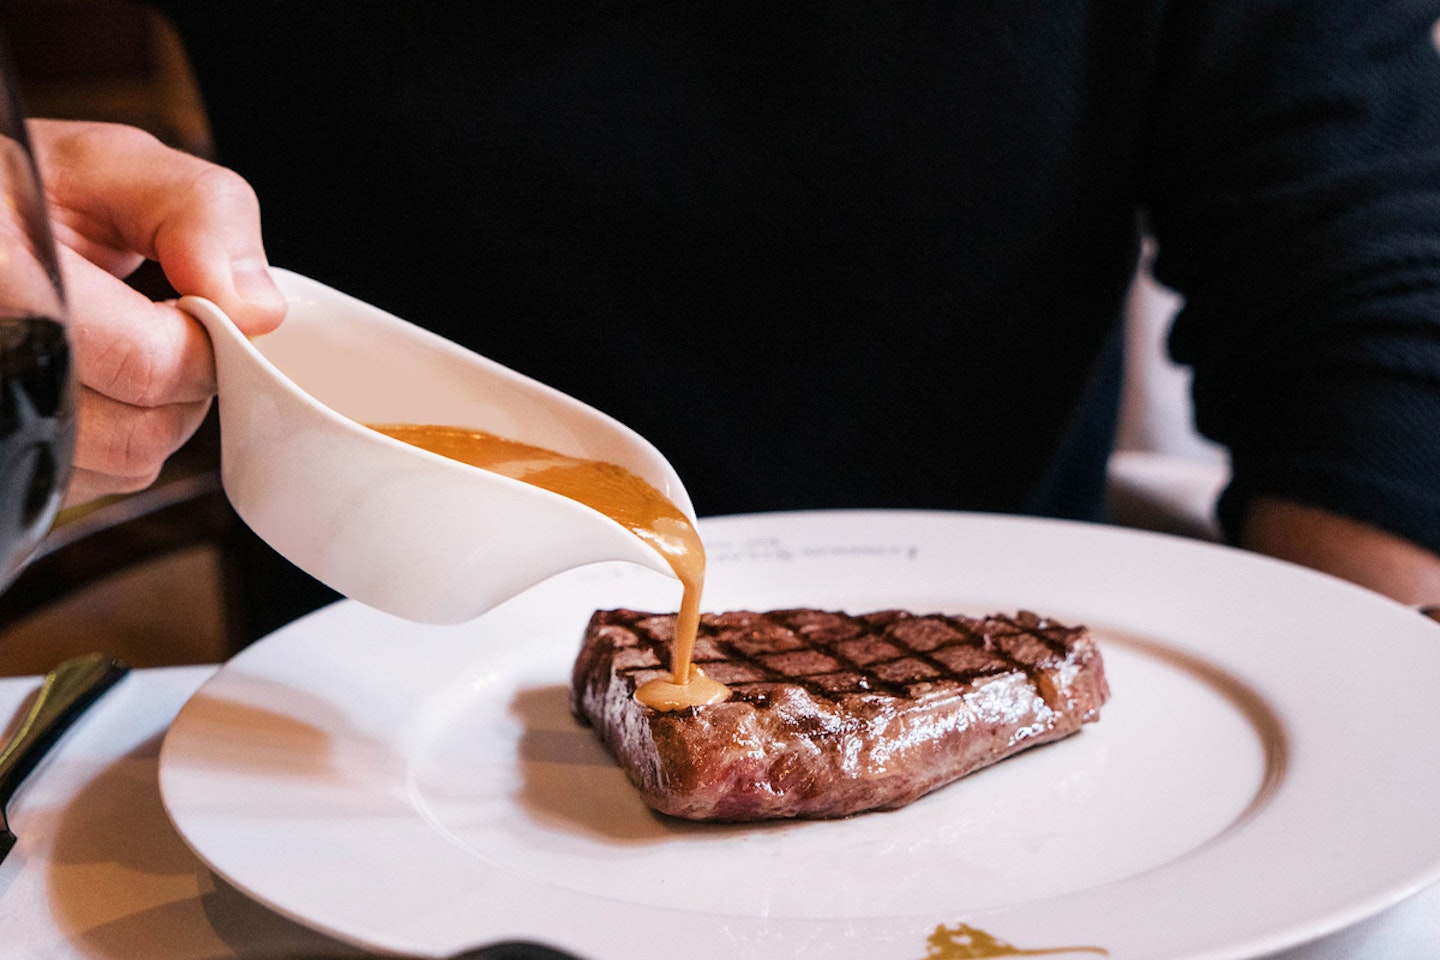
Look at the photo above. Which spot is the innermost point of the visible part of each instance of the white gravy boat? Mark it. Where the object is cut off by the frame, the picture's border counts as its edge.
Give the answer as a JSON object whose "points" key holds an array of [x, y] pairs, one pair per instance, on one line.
{"points": [[401, 529]]}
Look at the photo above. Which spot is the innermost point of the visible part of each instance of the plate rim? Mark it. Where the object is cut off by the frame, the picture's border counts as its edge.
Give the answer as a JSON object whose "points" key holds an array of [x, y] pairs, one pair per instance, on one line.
{"points": [[1334, 919]]}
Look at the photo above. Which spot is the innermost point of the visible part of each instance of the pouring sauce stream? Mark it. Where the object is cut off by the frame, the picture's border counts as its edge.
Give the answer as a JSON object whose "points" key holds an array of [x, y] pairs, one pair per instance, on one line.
{"points": [[619, 495]]}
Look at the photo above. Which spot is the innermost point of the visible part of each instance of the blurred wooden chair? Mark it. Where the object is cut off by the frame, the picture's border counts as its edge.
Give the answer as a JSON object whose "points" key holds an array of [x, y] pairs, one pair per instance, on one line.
{"points": [[113, 60]]}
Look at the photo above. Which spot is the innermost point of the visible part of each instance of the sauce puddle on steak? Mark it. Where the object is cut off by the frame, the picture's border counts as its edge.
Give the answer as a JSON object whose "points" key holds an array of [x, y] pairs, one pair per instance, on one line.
{"points": [[831, 714]]}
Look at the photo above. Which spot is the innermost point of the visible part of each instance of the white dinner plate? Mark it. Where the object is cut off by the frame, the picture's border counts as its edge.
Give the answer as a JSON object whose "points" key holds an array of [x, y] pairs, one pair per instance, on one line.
{"points": [[1266, 771]]}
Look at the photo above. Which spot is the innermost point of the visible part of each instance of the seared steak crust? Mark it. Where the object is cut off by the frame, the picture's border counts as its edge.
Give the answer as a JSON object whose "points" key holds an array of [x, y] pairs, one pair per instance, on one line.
{"points": [[832, 714]]}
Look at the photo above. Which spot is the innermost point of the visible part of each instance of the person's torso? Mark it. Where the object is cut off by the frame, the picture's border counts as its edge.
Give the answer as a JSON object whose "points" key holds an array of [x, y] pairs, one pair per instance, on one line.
{"points": [[822, 254]]}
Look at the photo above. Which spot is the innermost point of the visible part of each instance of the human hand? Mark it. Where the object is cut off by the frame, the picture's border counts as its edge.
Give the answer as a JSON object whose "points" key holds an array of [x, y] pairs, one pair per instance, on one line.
{"points": [[145, 370], [1337, 545]]}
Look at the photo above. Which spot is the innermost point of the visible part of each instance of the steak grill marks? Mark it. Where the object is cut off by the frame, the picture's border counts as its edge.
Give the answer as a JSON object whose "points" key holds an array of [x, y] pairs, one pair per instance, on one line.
{"points": [[833, 654]]}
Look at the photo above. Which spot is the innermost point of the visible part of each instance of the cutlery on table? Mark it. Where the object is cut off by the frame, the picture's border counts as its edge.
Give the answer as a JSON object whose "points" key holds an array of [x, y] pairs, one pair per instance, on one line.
{"points": [[64, 695]]}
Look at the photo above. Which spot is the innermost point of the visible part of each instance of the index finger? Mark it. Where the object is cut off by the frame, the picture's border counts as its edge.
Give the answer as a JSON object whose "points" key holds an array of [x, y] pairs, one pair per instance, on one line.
{"points": [[117, 185]]}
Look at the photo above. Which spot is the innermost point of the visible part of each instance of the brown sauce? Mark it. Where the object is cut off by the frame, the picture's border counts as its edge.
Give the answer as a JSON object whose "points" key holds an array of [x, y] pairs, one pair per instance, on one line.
{"points": [[964, 942], [621, 496]]}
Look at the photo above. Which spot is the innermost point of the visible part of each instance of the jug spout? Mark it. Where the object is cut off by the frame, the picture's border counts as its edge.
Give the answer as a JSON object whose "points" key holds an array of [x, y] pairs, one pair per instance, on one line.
{"points": [[399, 528]]}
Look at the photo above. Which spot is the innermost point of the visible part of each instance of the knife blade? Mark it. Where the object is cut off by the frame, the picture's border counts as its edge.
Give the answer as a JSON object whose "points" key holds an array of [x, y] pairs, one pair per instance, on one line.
{"points": [[64, 695]]}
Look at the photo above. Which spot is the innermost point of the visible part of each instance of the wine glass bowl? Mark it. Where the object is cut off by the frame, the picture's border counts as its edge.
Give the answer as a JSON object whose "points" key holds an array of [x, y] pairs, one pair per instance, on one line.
{"points": [[37, 405]]}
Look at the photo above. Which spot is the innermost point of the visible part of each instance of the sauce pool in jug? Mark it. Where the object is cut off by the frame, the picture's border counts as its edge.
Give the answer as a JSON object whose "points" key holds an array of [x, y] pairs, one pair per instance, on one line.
{"points": [[621, 496]]}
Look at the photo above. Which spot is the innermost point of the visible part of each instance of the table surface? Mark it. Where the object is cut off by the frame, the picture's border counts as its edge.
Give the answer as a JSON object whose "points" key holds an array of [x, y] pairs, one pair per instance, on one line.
{"points": [[100, 873]]}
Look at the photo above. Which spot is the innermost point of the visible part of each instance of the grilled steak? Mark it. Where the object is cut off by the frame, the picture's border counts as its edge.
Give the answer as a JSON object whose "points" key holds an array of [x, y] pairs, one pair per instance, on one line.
{"points": [[832, 714]]}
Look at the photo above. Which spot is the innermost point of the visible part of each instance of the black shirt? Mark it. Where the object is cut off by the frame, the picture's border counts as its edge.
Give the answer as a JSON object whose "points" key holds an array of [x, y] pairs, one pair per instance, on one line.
{"points": [[868, 253]]}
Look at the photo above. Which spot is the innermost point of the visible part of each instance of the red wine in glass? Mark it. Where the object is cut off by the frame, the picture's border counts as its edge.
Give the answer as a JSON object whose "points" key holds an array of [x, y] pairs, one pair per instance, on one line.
{"points": [[37, 434], [37, 401]]}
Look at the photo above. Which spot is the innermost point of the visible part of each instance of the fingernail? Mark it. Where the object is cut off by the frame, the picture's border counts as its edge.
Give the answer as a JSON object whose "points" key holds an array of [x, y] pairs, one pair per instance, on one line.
{"points": [[253, 283]]}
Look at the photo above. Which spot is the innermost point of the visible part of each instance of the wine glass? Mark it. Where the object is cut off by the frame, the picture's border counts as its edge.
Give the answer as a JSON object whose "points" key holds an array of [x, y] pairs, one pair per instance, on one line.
{"points": [[37, 395]]}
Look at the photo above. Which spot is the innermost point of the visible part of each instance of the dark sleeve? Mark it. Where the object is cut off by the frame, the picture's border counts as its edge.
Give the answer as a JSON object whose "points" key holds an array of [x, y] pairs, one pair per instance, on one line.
{"points": [[1294, 185]]}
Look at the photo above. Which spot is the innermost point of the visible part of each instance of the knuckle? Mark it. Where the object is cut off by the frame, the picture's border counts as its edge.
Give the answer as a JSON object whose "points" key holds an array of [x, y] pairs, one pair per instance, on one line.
{"points": [[224, 187], [141, 364], [109, 135], [131, 483], [127, 370], [95, 143], [139, 443]]}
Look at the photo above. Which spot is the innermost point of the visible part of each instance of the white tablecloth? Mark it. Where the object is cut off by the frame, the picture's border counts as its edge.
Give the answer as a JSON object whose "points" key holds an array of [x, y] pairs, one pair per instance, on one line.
{"points": [[100, 873]]}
